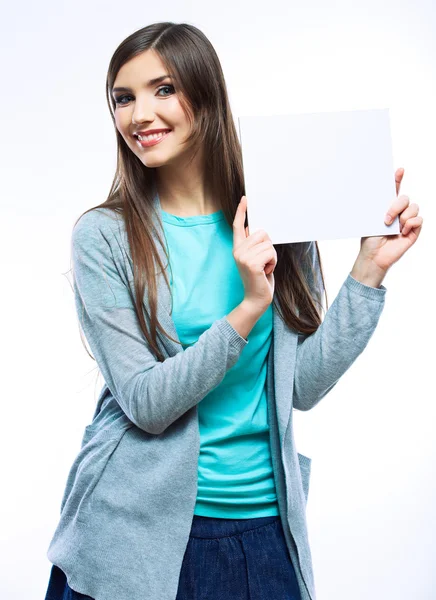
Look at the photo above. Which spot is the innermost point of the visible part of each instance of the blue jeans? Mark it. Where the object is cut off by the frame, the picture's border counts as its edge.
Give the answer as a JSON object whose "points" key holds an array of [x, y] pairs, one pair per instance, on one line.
{"points": [[236, 559]]}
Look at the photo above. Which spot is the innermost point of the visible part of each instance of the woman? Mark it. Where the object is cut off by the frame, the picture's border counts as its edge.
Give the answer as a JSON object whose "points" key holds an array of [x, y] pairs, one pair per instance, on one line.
{"points": [[188, 484]]}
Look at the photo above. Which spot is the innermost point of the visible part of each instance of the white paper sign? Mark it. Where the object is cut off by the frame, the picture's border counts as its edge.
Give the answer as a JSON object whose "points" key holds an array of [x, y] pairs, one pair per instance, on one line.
{"points": [[319, 176]]}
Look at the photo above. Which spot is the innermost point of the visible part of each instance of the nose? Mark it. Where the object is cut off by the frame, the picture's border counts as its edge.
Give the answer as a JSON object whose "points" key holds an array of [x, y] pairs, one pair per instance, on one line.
{"points": [[142, 113]]}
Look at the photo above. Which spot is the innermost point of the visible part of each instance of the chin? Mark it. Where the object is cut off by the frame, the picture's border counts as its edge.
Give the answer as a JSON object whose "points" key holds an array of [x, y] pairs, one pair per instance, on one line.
{"points": [[152, 163]]}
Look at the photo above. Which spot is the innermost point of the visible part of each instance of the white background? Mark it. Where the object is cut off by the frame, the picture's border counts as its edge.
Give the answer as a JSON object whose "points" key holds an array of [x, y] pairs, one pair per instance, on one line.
{"points": [[371, 508]]}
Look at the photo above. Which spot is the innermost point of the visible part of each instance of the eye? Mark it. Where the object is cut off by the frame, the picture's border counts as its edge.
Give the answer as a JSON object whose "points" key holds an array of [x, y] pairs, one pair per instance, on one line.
{"points": [[166, 87], [119, 99]]}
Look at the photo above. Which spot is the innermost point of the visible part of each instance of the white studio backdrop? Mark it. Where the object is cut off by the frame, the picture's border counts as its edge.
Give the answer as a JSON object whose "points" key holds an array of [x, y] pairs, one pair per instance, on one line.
{"points": [[371, 506]]}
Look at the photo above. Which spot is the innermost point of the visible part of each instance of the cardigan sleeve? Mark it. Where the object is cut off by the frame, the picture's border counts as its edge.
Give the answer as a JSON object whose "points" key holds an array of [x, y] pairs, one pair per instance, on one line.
{"points": [[325, 355], [152, 394]]}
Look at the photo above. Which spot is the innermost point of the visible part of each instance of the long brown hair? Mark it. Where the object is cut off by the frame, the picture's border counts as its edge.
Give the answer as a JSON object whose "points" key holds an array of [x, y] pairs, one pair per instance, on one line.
{"points": [[199, 81]]}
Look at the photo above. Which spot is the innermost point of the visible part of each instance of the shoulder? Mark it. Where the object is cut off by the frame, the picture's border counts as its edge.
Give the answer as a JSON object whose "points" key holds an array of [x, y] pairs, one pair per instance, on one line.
{"points": [[96, 226]]}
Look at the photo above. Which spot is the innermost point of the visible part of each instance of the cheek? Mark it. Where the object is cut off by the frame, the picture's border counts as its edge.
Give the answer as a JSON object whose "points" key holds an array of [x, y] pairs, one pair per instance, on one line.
{"points": [[176, 114], [123, 130], [121, 125]]}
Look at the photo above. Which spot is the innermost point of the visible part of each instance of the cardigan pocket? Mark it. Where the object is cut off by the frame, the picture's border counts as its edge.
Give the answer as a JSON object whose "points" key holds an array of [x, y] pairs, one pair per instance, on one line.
{"points": [[98, 446], [305, 465]]}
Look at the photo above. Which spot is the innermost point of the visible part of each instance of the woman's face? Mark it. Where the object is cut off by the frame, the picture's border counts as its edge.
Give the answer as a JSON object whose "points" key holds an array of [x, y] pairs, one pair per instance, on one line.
{"points": [[143, 106]]}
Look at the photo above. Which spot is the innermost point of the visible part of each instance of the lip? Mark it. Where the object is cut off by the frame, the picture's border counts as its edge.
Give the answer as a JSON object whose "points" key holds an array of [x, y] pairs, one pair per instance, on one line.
{"points": [[150, 131], [145, 144]]}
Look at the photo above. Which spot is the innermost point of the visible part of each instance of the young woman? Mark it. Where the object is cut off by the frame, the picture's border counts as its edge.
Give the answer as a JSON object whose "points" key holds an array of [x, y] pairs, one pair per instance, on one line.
{"points": [[188, 484]]}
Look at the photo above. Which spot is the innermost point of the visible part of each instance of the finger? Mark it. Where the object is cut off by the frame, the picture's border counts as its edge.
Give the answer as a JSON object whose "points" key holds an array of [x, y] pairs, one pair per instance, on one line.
{"points": [[262, 247], [411, 211], [268, 258], [398, 177], [400, 204], [239, 232], [414, 223]]}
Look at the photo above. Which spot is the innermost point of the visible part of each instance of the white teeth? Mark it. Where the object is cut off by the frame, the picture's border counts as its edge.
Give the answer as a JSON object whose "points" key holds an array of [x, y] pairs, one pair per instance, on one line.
{"points": [[153, 136]]}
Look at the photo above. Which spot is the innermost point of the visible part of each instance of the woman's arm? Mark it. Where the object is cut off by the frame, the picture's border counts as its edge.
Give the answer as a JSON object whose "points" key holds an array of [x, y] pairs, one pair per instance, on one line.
{"points": [[152, 394], [324, 356]]}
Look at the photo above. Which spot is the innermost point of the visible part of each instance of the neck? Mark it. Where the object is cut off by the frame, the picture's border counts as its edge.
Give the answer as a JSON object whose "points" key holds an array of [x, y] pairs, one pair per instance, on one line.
{"points": [[183, 191]]}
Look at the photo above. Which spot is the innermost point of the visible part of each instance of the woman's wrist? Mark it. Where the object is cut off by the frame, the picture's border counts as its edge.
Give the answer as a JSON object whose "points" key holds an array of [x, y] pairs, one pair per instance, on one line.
{"points": [[368, 273], [244, 317]]}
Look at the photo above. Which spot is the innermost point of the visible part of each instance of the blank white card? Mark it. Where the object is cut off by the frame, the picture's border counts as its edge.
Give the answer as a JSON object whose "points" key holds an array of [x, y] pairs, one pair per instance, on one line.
{"points": [[318, 176]]}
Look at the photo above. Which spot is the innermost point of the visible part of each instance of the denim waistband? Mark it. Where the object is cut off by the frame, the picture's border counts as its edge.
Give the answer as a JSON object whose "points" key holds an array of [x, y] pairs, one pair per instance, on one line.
{"points": [[212, 527]]}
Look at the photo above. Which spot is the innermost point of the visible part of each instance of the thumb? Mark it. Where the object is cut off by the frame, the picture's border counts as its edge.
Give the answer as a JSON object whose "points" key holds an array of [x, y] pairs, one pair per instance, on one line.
{"points": [[239, 233]]}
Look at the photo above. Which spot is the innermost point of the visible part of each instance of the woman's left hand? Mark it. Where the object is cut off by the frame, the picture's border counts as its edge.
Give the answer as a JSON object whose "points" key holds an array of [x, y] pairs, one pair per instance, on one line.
{"points": [[378, 253]]}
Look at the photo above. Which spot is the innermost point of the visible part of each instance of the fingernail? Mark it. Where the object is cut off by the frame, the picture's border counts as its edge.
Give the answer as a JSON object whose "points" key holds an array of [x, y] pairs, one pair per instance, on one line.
{"points": [[388, 219]]}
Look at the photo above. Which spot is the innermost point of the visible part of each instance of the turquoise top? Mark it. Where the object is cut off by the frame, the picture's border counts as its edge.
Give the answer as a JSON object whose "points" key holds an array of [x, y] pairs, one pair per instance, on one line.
{"points": [[235, 473]]}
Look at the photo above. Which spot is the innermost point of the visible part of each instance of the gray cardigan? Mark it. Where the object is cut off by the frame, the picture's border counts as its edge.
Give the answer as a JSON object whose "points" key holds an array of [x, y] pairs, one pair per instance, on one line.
{"points": [[129, 499]]}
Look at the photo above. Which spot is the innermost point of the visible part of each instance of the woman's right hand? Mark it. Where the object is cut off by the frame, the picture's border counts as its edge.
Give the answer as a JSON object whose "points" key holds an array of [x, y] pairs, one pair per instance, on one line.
{"points": [[256, 258]]}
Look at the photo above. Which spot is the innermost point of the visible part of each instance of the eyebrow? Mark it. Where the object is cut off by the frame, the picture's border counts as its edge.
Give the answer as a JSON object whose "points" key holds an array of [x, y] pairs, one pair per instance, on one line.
{"points": [[150, 83]]}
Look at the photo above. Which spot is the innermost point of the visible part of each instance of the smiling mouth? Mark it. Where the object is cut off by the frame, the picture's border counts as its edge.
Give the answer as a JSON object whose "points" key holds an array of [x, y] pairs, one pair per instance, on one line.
{"points": [[148, 138], [152, 141]]}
